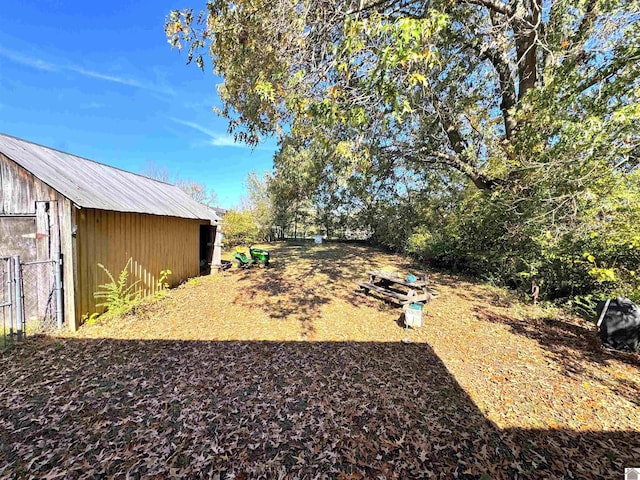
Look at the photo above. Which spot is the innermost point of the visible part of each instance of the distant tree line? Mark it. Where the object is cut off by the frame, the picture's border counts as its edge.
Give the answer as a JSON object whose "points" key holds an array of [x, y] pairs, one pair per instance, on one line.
{"points": [[196, 190]]}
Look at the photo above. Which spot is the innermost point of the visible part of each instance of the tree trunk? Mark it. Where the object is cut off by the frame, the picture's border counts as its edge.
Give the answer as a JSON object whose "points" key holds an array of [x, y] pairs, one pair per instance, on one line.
{"points": [[526, 31]]}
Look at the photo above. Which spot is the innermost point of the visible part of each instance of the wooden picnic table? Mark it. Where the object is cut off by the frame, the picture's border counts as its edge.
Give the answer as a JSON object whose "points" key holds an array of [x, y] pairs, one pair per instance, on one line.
{"points": [[397, 288]]}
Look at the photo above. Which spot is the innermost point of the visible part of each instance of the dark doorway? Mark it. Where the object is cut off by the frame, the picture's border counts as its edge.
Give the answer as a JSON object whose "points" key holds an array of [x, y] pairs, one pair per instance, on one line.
{"points": [[207, 237]]}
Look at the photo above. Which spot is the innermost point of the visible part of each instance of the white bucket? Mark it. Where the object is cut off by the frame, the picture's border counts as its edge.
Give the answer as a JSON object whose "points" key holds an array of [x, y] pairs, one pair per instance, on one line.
{"points": [[413, 315]]}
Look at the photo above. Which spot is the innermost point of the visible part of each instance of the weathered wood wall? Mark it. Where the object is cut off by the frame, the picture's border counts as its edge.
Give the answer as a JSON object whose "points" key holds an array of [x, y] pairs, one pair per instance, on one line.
{"points": [[20, 190], [16, 237], [22, 194], [153, 243]]}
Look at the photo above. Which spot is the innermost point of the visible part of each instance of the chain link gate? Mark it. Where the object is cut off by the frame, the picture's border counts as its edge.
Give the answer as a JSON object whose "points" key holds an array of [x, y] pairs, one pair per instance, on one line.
{"points": [[13, 327], [41, 296], [6, 310], [30, 298]]}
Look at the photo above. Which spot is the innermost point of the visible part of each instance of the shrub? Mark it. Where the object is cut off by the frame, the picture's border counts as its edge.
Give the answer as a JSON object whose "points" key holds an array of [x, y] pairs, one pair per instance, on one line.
{"points": [[117, 296], [420, 243], [162, 281], [240, 228]]}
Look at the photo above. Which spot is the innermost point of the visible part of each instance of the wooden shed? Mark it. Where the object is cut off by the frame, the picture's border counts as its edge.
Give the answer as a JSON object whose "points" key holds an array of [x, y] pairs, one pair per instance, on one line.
{"points": [[57, 206]]}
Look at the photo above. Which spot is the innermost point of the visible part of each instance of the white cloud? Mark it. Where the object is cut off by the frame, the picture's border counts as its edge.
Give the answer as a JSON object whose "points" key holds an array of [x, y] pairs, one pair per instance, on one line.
{"points": [[226, 141], [47, 66], [195, 126], [215, 138], [121, 80], [28, 61]]}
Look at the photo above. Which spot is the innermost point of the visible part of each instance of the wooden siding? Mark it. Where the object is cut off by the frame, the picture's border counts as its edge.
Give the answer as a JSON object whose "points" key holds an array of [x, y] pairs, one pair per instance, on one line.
{"points": [[153, 243], [21, 193], [20, 190]]}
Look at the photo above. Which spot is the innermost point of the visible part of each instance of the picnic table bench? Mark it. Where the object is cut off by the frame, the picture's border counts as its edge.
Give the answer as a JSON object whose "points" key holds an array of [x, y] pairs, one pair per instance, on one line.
{"points": [[396, 288]]}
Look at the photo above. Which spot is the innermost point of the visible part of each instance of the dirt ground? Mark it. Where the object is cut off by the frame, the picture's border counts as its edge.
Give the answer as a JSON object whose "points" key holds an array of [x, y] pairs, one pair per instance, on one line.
{"points": [[289, 372]]}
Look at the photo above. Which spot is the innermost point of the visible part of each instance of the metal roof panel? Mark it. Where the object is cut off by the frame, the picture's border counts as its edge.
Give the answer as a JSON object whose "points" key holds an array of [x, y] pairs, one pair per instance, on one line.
{"points": [[90, 184]]}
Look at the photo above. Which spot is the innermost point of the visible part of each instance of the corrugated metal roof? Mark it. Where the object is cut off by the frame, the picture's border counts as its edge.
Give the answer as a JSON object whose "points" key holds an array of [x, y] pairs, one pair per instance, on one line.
{"points": [[90, 184]]}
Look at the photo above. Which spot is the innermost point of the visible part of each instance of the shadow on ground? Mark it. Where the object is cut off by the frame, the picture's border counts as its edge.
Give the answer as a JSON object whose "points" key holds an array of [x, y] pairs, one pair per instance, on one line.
{"points": [[96, 408], [304, 278], [574, 347]]}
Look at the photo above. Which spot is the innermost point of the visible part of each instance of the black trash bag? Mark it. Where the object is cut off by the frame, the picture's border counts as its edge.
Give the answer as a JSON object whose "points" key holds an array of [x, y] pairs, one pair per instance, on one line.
{"points": [[620, 325]]}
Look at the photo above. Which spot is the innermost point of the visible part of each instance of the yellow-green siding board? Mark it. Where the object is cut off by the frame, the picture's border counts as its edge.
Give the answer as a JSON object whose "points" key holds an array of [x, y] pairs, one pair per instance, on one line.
{"points": [[153, 243]]}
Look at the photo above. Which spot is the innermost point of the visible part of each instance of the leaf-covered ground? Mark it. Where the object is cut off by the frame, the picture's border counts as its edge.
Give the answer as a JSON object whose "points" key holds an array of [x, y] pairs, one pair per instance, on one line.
{"points": [[287, 372]]}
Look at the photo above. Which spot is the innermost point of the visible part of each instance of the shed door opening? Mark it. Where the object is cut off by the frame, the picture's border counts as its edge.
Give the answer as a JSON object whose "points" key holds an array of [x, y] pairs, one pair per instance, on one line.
{"points": [[207, 238]]}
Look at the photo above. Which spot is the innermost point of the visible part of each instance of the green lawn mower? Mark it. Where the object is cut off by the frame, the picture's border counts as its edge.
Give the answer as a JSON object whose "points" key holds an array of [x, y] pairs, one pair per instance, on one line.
{"points": [[257, 256]]}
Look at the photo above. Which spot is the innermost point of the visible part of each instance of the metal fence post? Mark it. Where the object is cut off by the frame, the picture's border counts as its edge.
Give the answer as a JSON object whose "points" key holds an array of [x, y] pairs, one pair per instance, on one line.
{"points": [[12, 296], [17, 273], [59, 311]]}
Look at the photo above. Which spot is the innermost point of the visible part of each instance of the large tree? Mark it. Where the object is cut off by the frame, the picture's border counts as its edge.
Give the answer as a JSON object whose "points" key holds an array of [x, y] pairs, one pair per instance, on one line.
{"points": [[525, 111], [489, 88]]}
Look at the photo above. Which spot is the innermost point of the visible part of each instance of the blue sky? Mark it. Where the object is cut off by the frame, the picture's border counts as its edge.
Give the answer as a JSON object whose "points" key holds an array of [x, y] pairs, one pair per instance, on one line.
{"points": [[99, 79]]}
